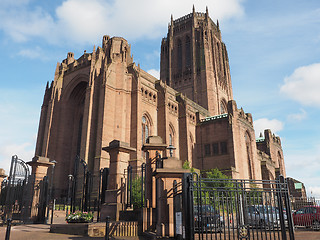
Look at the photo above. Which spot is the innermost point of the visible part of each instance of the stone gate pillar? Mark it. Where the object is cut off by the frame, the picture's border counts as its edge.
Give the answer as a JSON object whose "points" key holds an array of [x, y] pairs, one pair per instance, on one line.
{"points": [[161, 172], [39, 167], [119, 156], [155, 149]]}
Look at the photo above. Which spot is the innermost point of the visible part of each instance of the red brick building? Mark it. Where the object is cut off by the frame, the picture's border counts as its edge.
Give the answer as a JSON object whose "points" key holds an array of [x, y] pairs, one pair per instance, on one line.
{"points": [[104, 95]]}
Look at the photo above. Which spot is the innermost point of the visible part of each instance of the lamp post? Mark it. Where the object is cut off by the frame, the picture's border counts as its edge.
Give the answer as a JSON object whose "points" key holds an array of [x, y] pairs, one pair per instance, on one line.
{"points": [[51, 188], [84, 184], [50, 191], [70, 178]]}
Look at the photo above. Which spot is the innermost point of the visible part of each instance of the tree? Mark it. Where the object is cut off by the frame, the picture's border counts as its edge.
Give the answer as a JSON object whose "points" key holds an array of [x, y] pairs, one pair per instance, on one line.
{"points": [[217, 188], [136, 200], [214, 178]]}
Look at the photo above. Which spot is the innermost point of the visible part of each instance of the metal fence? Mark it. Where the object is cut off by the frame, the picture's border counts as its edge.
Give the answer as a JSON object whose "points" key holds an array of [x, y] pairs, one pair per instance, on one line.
{"points": [[236, 209]]}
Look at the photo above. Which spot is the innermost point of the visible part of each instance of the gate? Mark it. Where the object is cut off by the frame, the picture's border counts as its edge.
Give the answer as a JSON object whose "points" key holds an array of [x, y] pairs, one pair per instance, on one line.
{"points": [[236, 209], [83, 181], [15, 188]]}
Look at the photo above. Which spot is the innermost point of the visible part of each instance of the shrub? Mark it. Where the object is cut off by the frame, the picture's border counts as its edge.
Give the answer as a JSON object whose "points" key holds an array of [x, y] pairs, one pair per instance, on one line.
{"points": [[79, 217]]}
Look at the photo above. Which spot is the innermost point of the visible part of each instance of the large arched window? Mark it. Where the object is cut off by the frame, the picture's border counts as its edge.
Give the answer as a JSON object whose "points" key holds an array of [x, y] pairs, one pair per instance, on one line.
{"points": [[280, 162], [249, 153], [75, 104], [73, 119], [191, 146], [145, 128], [145, 131]]}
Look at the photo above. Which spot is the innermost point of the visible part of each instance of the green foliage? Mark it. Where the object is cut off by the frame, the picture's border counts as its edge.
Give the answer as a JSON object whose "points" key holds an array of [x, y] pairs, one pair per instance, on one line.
{"points": [[186, 165], [136, 193], [216, 175], [216, 188], [254, 196], [79, 217]]}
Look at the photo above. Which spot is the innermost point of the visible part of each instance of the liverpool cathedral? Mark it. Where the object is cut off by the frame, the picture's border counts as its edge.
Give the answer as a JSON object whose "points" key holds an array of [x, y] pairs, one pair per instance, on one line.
{"points": [[104, 96]]}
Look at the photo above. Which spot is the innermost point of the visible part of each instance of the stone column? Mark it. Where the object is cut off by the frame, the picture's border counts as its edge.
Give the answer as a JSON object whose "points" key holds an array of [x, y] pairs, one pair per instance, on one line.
{"points": [[39, 167], [172, 171], [2, 176], [155, 148], [119, 156]]}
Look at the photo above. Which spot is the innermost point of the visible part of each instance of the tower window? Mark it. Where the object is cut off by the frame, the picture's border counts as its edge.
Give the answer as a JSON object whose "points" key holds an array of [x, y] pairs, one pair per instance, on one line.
{"points": [[207, 151], [179, 55], [188, 52], [215, 149], [223, 147]]}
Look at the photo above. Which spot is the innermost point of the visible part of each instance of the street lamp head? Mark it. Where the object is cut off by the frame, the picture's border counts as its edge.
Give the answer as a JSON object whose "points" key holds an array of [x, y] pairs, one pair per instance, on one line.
{"points": [[70, 177], [83, 162], [54, 162]]}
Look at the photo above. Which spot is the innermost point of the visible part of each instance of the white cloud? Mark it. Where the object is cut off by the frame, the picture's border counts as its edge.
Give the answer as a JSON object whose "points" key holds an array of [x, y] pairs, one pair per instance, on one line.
{"points": [[313, 191], [263, 123], [304, 166], [21, 24], [82, 21], [155, 73], [34, 53], [297, 117], [303, 85]]}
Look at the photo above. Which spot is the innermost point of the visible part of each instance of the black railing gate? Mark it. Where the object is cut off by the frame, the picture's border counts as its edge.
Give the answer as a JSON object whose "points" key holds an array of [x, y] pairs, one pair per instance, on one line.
{"points": [[235, 209], [83, 181], [14, 188]]}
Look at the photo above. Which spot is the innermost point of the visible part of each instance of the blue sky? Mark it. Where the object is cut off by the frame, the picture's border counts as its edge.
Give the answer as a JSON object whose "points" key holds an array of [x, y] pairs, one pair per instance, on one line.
{"points": [[273, 46]]}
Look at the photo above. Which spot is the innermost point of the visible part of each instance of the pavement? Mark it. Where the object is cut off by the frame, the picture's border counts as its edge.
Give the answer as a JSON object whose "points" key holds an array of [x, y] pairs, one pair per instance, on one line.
{"points": [[36, 232], [42, 232]]}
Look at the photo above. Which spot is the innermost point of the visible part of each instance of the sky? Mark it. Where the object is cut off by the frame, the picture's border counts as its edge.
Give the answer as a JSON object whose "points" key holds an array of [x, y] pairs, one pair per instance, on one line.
{"points": [[273, 47]]}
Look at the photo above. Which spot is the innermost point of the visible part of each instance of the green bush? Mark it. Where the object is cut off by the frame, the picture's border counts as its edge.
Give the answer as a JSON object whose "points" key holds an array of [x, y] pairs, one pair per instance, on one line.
{"points": [[79, 217], [136, 200]]}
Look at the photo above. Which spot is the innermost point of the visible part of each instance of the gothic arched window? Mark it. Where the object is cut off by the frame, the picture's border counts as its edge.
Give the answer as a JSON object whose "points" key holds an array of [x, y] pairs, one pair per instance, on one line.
{"points": [[145, 129], [280, 161], [249, 155], [223, 107]]}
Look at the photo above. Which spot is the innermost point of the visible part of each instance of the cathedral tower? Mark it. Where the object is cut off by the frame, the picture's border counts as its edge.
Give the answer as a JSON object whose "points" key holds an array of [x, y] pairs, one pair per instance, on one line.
{"points": [[194, 61]]}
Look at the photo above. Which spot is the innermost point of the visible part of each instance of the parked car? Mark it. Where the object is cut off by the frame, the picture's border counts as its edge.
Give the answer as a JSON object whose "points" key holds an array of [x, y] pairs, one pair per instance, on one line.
{"points": [[207, 219], [308, 216], [285, 216], [264, 216]]}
